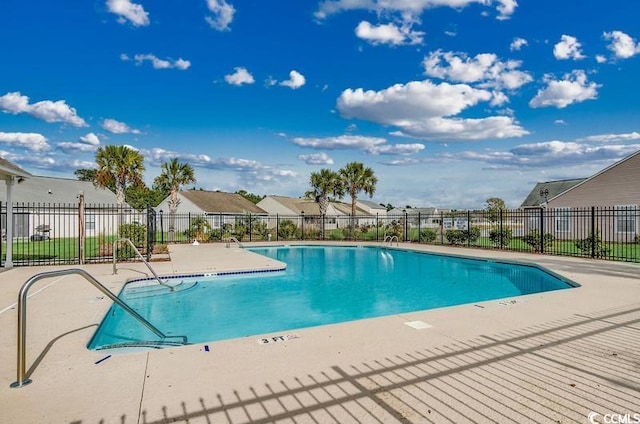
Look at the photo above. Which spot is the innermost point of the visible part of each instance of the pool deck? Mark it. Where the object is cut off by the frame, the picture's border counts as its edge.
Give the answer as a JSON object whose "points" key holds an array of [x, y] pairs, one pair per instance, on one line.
{"points": [[552, 357]]}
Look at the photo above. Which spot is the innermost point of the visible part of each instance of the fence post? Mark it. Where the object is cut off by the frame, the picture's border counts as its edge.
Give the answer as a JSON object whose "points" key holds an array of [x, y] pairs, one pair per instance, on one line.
{"points": [[441, 227], [81, 228], [250, 227], [161, 227], [323, 226], [593, 232], [277, 227], [501, 233], [189, 227], [419, 221], [541, 230], [302, 226], [469, 228], [151, 230]]}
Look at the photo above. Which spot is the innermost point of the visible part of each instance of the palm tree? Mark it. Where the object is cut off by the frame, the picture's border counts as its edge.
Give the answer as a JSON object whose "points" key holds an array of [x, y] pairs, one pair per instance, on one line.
{"points": [[324, 183], [174, 175], [118, 166], [356, 178]]}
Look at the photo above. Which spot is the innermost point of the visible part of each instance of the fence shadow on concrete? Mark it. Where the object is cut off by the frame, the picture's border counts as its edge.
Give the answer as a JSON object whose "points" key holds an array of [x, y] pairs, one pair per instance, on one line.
{"points": [[555, 372]]}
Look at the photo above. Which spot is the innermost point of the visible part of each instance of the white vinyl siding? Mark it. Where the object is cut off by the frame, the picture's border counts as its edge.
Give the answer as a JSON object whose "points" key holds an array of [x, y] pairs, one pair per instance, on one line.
{"points": [[626, 219], [563, 220]]}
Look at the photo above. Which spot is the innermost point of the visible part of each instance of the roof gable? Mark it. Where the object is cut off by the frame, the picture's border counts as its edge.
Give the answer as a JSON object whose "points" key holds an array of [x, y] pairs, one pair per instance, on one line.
{"points": [[299, 206], [220, 202], [549, 190]]}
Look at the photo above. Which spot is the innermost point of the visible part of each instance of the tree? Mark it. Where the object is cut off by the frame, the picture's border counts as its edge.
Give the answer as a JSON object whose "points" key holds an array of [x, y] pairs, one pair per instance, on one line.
{"points": [[493, 206], [85, 174], [253, 198], [355, 178], [174, 174], [118, 167], [324, 183]]}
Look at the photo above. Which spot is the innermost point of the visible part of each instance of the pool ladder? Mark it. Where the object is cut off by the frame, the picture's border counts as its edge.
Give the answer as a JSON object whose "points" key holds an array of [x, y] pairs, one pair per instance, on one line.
{"points": [[390, 239], [115, 260], [22, 378], [235, 240]]}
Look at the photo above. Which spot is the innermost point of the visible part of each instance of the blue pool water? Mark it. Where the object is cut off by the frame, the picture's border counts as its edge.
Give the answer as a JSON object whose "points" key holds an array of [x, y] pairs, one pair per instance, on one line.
{"points": [[321, 285]]}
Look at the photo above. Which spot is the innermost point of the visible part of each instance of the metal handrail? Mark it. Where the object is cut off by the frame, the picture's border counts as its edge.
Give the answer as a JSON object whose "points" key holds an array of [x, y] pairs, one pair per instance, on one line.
{"points": [[390, 240], [115, 260], [22, 379], [235, 240]]}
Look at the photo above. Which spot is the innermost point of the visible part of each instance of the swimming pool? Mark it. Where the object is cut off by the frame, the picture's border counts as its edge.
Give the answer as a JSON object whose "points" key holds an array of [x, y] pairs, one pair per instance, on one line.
{"points": [[321, 285]]}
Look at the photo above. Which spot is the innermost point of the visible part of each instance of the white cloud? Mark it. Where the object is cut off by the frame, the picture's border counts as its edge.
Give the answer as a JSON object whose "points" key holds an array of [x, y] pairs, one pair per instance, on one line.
{"points": [[239, 77], [485, 69], [128, 11], [46, 162], [412, 8], [340, 142], [402, 162], [91, 139], [610, 138], [316, 159], [574, 88], [88, 143], [518, 43], [396, 149], [559, 122], [547, 154], [157, 63], [30, 141], [568, 48], [600, 58], [622, 45], [388, 34], [117, 127], [295, 81], [46, 110], [222, 14], [425, 110], [250, 171]]}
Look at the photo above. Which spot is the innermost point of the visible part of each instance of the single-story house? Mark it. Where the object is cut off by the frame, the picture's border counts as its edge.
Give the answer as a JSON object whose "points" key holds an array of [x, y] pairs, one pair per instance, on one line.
{"points": [[46, 207], [427, 218], [218, 208], [294, 209], [564, 207], [372, 208]]}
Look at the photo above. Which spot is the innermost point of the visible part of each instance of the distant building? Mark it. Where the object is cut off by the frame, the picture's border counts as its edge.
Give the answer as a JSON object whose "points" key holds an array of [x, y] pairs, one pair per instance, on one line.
{"points": [[219, 208], [615, 188], [46, 206]]}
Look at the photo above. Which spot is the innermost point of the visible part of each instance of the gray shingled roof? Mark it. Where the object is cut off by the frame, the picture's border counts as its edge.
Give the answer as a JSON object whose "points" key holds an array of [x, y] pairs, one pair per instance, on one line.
{"points": [[298, 206], [555, 188], [9, 168], [36, 189], [220, 202]]}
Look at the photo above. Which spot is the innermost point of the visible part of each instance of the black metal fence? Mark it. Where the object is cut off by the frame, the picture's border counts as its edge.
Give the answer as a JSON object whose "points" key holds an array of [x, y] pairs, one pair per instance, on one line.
{"points": [[74, 233]]}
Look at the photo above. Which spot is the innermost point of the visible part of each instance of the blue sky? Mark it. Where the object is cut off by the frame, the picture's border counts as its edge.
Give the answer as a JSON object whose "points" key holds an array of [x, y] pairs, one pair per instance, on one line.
{"points": [[449, 101]]}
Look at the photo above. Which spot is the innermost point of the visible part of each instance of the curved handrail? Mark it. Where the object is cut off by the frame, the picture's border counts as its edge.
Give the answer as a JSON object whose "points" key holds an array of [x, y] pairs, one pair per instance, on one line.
{"points": [[115, 260], [235, 240], [390, 240], [22, 379]]}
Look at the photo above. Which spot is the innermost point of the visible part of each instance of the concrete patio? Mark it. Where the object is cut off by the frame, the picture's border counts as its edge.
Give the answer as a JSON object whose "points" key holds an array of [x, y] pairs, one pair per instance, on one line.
{"points": [[551, 357]]}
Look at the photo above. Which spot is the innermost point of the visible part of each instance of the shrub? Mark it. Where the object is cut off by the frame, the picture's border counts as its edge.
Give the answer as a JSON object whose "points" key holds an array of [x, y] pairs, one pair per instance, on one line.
{"points": [[260, 229], [135, 232], [288, 230], [533, 240], [500, 238], [428, 235], [215, 235], [592, 246], [198, 229], [455, 237], [472, 235]]}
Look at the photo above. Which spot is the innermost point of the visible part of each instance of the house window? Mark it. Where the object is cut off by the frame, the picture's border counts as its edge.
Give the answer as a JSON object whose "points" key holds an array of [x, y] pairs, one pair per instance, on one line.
{"points": [[563, 223], [90, 222], [533, 216], [626, 218]]}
